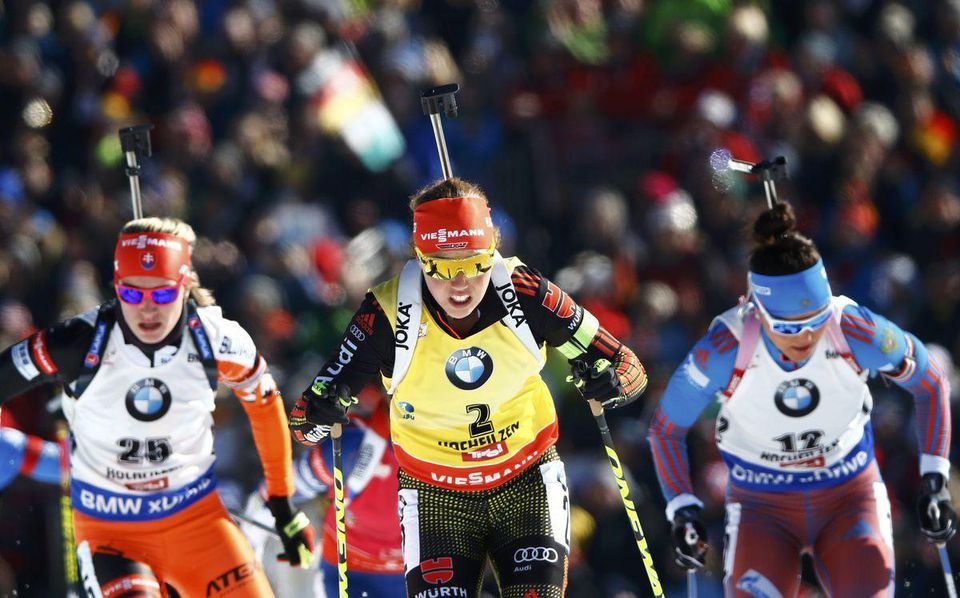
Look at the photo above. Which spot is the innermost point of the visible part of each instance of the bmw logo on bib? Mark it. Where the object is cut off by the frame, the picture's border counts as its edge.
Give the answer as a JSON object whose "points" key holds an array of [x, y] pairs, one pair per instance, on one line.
{"points": [[148, 400], [798, 397], [468, 369]]}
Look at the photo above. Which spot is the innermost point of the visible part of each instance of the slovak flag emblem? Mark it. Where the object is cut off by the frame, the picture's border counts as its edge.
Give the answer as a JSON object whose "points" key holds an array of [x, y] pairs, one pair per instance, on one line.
{"points": [[148, 260]]}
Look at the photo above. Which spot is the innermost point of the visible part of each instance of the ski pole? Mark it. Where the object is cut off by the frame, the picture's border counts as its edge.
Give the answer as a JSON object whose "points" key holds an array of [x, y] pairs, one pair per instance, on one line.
{"points": [[947, 570], [335, 435], [691, 583], [250, 520], [70, 571], [597, 410], [433, 101], [135, 142]]}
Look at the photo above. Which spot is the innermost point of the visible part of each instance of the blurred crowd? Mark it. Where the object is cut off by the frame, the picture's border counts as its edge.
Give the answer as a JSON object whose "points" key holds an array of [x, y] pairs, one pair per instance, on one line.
{"points": [[289, 133]]}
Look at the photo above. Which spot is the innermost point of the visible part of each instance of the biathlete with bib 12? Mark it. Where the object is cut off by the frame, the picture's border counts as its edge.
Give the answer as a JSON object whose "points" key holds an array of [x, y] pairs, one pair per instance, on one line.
{"points": [[789, 366], [459, 337], [140, 374]]}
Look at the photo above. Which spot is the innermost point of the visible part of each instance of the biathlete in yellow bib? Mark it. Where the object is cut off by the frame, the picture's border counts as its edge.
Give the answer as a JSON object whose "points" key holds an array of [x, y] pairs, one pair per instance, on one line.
{"points": [[459, 337]]}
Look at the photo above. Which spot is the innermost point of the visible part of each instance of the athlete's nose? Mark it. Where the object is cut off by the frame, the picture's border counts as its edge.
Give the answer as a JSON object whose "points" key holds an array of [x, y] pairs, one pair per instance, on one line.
{"points": [[459, 282]]}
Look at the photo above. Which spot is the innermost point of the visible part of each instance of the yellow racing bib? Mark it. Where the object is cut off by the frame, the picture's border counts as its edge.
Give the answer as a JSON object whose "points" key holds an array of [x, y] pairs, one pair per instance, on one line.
{"points": [[470, 413]]}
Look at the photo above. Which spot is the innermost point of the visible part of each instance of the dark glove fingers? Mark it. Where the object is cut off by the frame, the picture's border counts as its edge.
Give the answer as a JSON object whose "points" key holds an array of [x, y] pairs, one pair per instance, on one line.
{"points": [[938, 522], [689, 538], [296, 535], [938, 519], [344, 396], [326, 410], [605, 385], [685, 561], [578, 373]]}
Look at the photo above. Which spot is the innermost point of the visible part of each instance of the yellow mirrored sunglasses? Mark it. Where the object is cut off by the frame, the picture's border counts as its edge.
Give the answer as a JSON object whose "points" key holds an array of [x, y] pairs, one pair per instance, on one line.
{"points": [[448, 268]]}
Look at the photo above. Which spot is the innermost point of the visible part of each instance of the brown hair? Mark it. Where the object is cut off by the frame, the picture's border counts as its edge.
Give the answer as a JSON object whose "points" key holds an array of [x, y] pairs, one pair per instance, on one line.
{"points": [[779, 249], [452, 187], [173, 226]]}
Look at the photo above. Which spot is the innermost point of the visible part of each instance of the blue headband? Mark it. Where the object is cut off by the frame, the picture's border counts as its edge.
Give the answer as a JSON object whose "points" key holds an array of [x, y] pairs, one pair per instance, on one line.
{"points": [[792, 295]]}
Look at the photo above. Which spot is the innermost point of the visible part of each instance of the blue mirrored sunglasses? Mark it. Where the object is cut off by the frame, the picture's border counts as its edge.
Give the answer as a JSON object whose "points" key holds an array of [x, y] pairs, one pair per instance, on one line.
{"points": [[795, 327], [160, 295]]}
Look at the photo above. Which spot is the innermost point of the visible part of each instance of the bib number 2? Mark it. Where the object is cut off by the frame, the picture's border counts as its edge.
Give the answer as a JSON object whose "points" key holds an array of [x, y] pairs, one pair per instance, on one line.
{"points": [[482, 425]]}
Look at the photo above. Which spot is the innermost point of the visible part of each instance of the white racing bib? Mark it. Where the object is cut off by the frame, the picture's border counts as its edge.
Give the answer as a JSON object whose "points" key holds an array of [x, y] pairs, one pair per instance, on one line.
{"points": [[143, 438], [795, 430]]}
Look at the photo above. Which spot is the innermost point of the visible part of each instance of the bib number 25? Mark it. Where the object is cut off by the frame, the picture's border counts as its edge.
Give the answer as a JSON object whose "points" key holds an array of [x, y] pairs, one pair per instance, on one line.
{"points": [[151, 450]]}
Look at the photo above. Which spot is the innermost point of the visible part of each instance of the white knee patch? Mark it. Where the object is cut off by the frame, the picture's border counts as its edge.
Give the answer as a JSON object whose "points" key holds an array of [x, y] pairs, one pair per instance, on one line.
{"points": [[757, 585], [884, 516], [558, 501], [731, 531], [88, 576], [409, 507]]}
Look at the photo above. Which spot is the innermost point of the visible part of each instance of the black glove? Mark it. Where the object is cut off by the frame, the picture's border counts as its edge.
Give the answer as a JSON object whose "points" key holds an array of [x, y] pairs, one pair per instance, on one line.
{"points": [[318, 408], [597, 383], [295, 531], [938, 519], [689, 538]]}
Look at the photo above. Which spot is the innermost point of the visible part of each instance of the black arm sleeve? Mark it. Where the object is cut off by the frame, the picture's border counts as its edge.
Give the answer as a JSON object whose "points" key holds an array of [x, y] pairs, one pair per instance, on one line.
{"points": [[555, 317], [553, 314], [51, 355], [365, 350]]}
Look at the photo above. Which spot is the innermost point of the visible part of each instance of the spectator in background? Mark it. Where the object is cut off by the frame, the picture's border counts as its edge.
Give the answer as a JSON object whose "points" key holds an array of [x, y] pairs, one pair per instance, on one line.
{"points": [[558, 98]]}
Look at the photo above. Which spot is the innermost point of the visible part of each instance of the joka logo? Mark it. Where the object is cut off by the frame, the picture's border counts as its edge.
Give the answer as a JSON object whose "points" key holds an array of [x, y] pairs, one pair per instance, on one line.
{"points": [[438, 570], [535, 553], [403, 325], [797, 397], [509, 298], [148, 400], [469, 369]]}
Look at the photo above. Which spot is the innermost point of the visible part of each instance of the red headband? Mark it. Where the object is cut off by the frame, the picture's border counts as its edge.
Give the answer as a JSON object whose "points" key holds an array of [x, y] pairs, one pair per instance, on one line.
{"points": [[452, 223], [151, 254]]}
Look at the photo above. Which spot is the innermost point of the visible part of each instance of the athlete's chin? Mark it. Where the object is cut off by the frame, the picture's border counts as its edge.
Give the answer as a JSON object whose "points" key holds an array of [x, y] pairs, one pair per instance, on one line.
{"points": [[801, 354], [459, 310], [150, 332]]}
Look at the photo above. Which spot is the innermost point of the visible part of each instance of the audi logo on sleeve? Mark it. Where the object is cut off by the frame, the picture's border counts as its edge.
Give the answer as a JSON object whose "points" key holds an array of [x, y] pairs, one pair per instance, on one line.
{"points": [[535, 553]]}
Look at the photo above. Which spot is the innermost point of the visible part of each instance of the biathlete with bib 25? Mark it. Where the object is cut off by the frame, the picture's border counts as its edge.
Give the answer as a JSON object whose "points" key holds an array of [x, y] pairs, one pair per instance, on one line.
{"points": [[790, 368], [140, 373], [459, 338]]}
